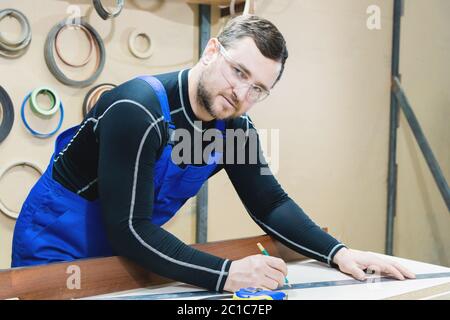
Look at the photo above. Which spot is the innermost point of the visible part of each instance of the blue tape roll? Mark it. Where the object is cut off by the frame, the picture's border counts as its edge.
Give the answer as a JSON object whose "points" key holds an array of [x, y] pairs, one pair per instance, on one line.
{"points": [[36, 133], [258, 294]]}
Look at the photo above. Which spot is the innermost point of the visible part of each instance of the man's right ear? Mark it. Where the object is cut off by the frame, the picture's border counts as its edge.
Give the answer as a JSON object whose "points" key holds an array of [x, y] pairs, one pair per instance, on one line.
{"points": [[210, 51]]}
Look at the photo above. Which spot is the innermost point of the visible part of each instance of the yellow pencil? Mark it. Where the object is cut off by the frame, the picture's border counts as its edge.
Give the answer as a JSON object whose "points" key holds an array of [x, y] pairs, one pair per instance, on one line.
{"points": [[264, 252]]}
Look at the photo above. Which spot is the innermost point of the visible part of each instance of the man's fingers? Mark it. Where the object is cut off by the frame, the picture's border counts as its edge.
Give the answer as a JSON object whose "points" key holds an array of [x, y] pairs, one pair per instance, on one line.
{"points": [[390, 269], [355, 261], [374, 269], [356, 272], [277, 263], [275, 275], [405, 271], [394, 269], [269, 283]]}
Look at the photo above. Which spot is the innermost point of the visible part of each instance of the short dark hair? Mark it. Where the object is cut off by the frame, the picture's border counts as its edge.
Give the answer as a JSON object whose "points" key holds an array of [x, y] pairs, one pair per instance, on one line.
{"points": [[267, 37]]}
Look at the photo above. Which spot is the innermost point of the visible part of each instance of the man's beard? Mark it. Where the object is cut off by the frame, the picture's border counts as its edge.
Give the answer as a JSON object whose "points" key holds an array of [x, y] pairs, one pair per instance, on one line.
{"points": [[204, 98]]}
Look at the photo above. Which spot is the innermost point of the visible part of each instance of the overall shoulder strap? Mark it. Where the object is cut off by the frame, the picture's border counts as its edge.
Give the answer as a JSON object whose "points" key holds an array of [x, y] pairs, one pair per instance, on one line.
{"points": [[161, 94]]}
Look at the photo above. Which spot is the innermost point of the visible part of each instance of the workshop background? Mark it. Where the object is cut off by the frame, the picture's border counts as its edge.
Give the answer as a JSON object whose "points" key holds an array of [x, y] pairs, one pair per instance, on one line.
{"points": [[331, 107]]}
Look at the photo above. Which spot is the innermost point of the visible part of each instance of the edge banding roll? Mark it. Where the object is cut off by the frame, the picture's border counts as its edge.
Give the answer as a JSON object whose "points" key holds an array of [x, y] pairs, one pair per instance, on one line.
{"points": [[132, 47], [50, 58], [104, 13], [91, 45], [15, 49], [94, 94], [3, 208], [7, 114]]}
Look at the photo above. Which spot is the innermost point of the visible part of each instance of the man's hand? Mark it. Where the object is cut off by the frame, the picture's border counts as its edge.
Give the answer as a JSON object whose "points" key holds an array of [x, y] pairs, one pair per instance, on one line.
{"points": [[353, 262], [256, 271]]}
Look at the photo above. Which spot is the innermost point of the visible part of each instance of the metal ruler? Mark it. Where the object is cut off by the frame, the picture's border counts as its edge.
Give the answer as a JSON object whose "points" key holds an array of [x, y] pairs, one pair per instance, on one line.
{"points": [[211, 295]]}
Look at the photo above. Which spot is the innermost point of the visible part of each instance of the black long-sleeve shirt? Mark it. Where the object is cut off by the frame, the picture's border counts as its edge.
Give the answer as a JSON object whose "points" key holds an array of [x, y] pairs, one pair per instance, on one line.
{"points": [[100, 163]]}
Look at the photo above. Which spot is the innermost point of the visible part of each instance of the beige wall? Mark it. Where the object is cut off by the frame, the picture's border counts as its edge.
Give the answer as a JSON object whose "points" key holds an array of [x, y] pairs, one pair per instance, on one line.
{"points": [[422, 228], [331, 108]]}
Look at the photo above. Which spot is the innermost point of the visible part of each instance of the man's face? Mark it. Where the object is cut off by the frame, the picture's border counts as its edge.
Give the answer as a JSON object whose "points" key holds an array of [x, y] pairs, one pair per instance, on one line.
{"points": [[222, 89]]}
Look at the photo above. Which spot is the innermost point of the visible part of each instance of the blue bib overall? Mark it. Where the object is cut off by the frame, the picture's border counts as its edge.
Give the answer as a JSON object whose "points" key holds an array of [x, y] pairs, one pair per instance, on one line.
{"points": [[56, 224]]}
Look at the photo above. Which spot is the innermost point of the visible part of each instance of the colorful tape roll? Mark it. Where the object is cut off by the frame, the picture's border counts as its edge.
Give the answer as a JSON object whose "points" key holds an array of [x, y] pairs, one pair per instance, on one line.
{"points": [[57, 104], [54, 101]]}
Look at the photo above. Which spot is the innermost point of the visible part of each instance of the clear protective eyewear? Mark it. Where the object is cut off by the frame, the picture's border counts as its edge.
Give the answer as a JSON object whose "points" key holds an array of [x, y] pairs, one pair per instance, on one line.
{"points": [[255, 93]]}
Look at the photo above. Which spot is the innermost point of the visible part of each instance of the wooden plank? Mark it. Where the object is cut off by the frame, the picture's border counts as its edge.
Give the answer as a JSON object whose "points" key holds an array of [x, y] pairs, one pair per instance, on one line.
{"points": [[238, 8], [439, 292], [106, 275]]}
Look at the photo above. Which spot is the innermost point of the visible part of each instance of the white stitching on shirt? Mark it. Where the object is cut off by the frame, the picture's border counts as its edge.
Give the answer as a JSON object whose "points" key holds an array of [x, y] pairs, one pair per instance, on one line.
{"points": [[332, 251], [130, 220], [95, 180], [87, 186], [221, 274], [180, 86], [132, 102], [73, 138]]}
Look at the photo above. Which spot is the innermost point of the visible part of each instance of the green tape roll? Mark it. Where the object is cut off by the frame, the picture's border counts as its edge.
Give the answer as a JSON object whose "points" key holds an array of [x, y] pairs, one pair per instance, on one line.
{"points": [[55, 102]]}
